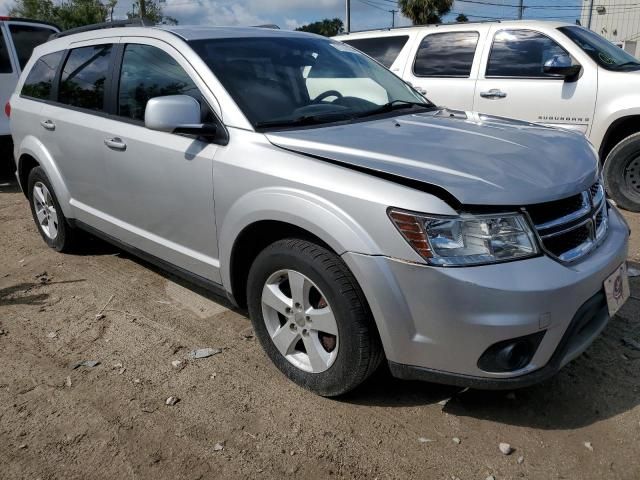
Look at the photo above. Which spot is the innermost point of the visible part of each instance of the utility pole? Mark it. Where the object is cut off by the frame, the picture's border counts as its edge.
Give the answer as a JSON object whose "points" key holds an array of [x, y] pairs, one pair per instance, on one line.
{"points": [[521, 9], [348, 16], [590, 14], [393, 18]]}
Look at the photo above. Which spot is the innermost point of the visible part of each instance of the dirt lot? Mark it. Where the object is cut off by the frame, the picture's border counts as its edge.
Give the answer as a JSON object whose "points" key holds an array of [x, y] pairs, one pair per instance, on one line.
{"points": [[111, 421]]}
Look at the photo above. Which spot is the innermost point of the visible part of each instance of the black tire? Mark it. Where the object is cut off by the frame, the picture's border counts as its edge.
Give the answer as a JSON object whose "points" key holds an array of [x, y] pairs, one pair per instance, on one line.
{"points": [[359, 353], [66, 237], [622, 173], [7, 165]]}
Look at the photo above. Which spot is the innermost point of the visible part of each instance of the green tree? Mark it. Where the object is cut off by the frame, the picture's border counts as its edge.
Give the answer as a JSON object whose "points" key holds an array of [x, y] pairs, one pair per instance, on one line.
{"points": [[462, 18], [77, 13], [150, 10], [421, 12], [35, 9], [326, 27], [70, 14]]}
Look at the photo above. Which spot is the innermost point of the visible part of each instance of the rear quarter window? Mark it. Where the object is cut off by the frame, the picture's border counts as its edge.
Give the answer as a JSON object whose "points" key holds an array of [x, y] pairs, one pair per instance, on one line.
{"points": [[39, 81], [384, 49], [5, 62], [446, 55], [26, 38]]}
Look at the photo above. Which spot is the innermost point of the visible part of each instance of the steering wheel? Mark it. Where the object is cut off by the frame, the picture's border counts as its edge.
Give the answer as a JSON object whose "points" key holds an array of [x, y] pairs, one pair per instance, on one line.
{"points": [[327, 94]]}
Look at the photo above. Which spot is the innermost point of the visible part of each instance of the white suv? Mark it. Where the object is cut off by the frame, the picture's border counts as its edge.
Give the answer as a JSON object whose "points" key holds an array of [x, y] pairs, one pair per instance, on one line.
{"points": [[18, 38], [552, 73]]}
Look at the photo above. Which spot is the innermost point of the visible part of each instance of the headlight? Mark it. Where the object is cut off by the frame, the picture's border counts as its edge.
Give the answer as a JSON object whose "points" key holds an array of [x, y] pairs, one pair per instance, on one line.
{"points": [[466, 239]]}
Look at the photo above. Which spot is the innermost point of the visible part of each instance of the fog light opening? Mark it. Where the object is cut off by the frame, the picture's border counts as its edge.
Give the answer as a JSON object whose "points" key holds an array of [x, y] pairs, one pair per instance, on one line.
{"points": [[510, 355]]}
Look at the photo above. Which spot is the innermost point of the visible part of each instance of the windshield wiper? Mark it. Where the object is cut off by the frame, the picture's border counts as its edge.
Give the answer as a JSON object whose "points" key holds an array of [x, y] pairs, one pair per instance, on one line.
{"points": [[394, 105], [305, 120]]}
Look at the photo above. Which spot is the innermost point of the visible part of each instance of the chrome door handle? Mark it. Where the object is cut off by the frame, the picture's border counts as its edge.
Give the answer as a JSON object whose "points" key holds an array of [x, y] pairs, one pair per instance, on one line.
{"points": [[115, 143], [48, 124], [493, 93]]}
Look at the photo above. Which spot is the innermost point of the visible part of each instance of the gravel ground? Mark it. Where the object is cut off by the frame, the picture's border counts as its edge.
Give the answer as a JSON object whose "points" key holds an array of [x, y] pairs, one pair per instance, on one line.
{"points": [[236, 415]]}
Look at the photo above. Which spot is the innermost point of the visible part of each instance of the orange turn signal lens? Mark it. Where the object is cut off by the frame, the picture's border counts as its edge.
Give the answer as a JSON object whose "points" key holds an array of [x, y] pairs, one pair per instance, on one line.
{"points": [[413, 232]]}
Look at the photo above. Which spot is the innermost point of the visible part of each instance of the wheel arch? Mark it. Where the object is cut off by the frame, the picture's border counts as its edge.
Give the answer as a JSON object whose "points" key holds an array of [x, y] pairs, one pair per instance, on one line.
{"points": [[260, 218], [618, 130], [32, 153]]}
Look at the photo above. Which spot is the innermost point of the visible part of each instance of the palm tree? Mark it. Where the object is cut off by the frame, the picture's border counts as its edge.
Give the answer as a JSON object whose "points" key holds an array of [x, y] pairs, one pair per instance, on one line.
{"points": [[425, 11]]}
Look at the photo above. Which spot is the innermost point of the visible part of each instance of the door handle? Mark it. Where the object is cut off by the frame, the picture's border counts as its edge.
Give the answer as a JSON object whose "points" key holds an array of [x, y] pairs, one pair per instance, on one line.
{"points": [[115, 143], [48, 124], [493, 93]]}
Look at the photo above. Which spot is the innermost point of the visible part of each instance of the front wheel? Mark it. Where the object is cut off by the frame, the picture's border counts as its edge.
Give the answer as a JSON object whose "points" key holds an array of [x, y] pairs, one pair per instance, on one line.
{"points": [[311, 317], [622, 173]]}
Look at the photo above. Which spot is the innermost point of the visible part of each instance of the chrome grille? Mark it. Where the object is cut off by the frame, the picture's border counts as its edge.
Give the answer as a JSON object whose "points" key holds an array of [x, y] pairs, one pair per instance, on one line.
{"points": [[570, 228]]}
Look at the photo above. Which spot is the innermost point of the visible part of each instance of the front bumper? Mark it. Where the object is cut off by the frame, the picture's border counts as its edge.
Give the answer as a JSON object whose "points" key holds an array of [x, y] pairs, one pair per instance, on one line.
{"points": [[435, 323]]}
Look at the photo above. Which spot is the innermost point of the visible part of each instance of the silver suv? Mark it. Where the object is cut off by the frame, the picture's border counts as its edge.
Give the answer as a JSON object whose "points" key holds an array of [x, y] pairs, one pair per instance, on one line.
{"points": [[354, 219]]}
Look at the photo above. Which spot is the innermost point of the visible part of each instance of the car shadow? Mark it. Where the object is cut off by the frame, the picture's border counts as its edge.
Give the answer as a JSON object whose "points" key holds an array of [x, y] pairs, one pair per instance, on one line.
{"points": [[27, 293]]}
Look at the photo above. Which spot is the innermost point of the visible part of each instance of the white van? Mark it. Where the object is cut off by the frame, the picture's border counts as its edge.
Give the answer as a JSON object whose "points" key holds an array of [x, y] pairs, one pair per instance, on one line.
{"points": [[18, 38], [552, 73]]}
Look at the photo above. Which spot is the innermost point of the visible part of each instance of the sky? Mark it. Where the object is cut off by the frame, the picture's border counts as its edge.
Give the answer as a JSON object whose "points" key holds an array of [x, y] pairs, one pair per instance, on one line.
{"points": [[365, 14]]}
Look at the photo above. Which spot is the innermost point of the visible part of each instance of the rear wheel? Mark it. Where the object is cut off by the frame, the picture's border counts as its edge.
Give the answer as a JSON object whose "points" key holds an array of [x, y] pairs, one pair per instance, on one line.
{"points": [[622, 173], [312, 318], [47, 214]]}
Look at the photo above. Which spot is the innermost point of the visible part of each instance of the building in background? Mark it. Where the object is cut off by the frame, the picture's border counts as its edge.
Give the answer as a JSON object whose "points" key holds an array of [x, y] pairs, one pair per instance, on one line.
{"points": [[616, 20]]}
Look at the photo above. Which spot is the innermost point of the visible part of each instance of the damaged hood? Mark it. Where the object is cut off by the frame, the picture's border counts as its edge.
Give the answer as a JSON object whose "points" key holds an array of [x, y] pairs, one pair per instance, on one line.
{"points": [[480, 160]]}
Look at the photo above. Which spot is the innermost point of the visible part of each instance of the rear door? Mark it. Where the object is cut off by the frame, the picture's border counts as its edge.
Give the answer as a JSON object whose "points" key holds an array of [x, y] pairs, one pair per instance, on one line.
{"points": [[74, 121], [445, 66], [8, 76], [512, 82]]}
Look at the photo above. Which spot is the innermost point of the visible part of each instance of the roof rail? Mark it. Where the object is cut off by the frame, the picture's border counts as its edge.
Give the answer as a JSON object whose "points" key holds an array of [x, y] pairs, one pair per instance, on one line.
{"points": [[389, 29], [272, 26], [132, 22], [30, 20]]}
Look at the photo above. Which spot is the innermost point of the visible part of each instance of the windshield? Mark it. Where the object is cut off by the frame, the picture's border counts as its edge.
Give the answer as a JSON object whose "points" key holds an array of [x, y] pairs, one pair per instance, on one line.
{"points": [[605, 53], [292, 81]]}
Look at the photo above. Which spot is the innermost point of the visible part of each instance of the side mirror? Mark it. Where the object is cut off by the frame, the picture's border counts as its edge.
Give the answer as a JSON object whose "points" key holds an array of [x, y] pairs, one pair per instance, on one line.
{"points": [[562, 66], [177, 114]]}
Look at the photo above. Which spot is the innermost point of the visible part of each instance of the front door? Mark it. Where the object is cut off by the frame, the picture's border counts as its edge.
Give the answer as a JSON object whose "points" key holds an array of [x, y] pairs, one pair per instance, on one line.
{"points": [[512, 82], [160, 184]]}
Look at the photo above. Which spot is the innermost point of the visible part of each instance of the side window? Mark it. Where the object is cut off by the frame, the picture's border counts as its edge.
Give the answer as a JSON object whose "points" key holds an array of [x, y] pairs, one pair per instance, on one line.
{"points": [[521, 53], [149, 72], [26, 38], [383, 49], [84, 77], [5, 61], [446, 55], [39, 81]]}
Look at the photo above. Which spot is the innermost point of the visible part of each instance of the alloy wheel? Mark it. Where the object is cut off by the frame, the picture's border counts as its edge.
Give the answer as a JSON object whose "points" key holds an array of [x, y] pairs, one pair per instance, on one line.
{"points": [[45, 210], [300, 321]]}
